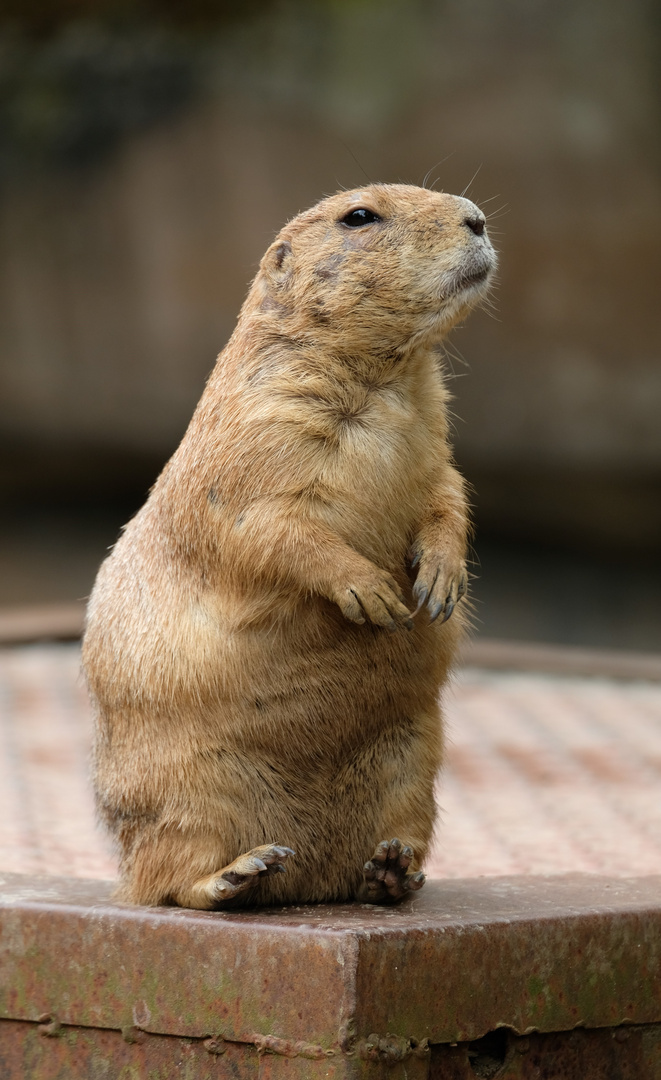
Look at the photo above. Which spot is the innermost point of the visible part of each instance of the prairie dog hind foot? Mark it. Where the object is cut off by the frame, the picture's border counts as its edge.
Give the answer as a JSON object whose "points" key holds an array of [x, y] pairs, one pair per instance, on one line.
{"points": [[386, 876], [245, 872]]}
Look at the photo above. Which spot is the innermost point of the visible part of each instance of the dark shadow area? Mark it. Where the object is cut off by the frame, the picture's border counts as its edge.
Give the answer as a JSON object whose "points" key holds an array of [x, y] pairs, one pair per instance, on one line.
{"points": [[487, 1055], [535, 592]]}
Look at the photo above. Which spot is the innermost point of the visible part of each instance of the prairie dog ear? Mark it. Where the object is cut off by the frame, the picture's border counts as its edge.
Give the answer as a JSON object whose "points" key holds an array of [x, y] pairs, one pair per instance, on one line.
{"points": [[278, 262]]}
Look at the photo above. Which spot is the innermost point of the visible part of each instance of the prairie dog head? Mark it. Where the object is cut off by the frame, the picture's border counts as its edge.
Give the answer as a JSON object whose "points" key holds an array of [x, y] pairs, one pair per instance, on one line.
{"points": [[381, 267]]}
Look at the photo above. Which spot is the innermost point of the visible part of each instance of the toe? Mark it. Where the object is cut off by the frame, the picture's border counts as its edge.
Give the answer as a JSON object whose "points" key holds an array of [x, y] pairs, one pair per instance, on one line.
{"points": [[405, 857], [274, 853], [223, 889], [415, 881], [394, 850], [275, 857], [248, 865], [449, 608], [435, 609], [380, 856]]}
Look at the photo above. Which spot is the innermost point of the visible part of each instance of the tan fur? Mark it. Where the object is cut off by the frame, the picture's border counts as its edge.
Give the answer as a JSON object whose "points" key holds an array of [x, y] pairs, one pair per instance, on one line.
{"points": [[248, 687]]}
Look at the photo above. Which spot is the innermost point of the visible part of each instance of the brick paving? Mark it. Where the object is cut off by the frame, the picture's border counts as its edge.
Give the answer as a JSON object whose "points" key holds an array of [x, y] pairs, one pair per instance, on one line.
{"points": [[544, 774]]}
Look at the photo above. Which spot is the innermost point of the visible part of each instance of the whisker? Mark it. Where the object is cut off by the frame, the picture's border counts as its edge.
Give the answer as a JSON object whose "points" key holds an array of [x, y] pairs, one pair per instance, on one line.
{"points": [[471, 180], [448, 355], [436, 166], [489, 310], [351, 153], [500, 212]]}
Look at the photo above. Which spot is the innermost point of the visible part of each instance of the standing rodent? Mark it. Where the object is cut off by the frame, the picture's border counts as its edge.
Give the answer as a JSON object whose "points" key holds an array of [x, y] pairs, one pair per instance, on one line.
{"points": [[261, 683]]}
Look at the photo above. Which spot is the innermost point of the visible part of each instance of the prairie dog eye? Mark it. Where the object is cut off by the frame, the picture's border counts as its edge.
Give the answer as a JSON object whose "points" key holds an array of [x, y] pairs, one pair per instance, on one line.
{"points": [[355, 218]]}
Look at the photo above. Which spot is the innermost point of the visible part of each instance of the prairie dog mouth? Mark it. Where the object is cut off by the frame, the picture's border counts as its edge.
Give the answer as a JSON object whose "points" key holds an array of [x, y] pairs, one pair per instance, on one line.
{"points": [[471, 277], [472, 281]]}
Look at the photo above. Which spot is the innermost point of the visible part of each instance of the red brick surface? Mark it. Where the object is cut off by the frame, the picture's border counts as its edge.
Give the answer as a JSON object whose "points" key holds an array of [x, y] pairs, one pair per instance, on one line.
{"points": [[544, 774], [549, 775]]}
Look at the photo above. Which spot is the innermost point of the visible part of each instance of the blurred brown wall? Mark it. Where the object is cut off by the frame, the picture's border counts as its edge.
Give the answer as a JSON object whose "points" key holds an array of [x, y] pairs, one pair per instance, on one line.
{"points": [[120, 282]]}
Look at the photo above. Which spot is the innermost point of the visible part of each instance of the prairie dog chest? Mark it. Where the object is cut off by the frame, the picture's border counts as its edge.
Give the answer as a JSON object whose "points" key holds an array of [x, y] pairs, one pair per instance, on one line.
{"points": [[380, 445], [375, 451]]}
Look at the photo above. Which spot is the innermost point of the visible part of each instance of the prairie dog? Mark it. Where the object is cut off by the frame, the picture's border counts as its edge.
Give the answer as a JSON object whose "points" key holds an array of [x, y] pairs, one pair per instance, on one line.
{"points": [[266, 643]]}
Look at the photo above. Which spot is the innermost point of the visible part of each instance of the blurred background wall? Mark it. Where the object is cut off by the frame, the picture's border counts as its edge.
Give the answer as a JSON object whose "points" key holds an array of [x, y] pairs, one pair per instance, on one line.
{"points": [[150, 151]]}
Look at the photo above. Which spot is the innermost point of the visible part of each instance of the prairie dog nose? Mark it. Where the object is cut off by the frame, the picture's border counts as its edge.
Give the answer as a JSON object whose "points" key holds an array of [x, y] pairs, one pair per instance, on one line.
{"points": [[476, 223]]}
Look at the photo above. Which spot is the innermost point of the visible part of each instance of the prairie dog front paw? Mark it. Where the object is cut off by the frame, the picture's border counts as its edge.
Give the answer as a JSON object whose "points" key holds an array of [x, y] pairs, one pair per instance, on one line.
{"points": [[375, 595], [440, 584]]}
